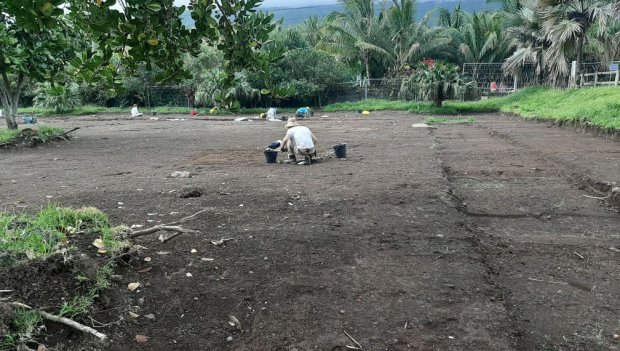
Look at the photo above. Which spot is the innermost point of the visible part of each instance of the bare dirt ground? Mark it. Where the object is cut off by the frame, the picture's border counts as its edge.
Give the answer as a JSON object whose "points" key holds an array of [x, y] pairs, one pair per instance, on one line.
{"points": [[484, 236]]}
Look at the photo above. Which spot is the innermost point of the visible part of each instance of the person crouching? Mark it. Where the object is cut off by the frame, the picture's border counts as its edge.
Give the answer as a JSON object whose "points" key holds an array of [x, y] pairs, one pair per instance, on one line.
{"points": [[299, 140]]}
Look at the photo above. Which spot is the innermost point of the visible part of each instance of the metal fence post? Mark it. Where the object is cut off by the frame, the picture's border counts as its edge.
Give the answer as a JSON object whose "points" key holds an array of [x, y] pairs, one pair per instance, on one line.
{"points": [[617, 78]]}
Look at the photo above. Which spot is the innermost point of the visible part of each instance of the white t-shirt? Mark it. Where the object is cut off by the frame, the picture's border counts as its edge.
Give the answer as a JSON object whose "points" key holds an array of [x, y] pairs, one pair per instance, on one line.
{"points": [[134, 112], [301, 136]]}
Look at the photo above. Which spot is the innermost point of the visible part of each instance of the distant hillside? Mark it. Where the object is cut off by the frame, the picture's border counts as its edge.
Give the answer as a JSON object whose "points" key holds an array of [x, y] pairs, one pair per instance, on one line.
{"points": [[294, 16]]}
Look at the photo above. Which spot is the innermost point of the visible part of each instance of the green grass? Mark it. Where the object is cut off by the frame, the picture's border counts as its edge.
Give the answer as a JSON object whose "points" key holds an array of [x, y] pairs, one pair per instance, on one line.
{"points": [[44, 134], [35, 237], [48, 231], [6, 135], [21, 327], [437, 121], [598, 107]]}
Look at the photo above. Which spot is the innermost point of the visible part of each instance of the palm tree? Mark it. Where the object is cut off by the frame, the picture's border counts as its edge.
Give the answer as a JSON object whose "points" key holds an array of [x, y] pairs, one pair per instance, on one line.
{"points": [[525, 34], [483, 38], [409, 41], [454, 19], [313, 30], [566, 24], [437, 83], [353, 34], [561, 33]]}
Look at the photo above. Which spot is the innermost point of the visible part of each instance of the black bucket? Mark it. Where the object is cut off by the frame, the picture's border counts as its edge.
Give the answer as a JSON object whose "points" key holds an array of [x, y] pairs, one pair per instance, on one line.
{"points": [[340, 150], [271, 156]]}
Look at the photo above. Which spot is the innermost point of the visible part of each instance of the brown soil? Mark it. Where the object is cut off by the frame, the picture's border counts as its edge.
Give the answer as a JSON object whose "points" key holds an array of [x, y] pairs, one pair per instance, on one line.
{"points": [[465, 237]]}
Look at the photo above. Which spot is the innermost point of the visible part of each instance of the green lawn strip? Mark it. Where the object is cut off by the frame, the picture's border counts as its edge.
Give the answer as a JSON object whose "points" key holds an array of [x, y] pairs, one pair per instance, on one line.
{"points": [[25, 239], [599, 106], [437, 121]]}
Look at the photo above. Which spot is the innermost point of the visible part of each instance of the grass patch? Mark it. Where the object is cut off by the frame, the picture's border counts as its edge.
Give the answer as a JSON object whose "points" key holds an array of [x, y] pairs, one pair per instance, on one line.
{"points": [[20, 326], [598, 107], [437, 121], [61, 238], [47, 232], [29, 136], [6, 135], [449, 107]]}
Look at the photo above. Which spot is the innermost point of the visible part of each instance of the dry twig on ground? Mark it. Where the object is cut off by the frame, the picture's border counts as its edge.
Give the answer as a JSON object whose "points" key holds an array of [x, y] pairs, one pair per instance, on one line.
{"points": [[170, 227], [62, 320]]}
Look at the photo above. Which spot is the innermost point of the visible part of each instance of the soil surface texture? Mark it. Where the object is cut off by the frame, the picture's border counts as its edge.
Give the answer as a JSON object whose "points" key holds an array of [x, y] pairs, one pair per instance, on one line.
{"points": [[493, 235]]}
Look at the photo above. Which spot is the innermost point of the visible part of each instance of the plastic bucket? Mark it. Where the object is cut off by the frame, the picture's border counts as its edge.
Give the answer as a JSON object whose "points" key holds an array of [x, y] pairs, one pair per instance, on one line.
{"points": [[271, 156], [340, 150]]}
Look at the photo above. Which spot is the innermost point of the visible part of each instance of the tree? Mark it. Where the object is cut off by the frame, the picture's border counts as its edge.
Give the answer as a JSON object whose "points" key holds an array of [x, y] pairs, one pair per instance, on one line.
{"points": [[28, 52], [526, 35], [408, 42], [483, 39], [554, 32], [437, 83], [353, 34], [140, 32], [313, 72], [566, 24]]}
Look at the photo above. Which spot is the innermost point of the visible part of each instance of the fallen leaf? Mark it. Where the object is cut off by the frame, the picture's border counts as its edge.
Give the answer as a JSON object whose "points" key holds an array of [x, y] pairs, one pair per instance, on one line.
{"points": [[194, 251], [41, 348], [189, 275], [206, 259], [133, 286], [163, 253], [142, 338], [614, 249], [145, 270], [147, 259], [133, 315], [234, 322], [220, 242], [99, 244]]}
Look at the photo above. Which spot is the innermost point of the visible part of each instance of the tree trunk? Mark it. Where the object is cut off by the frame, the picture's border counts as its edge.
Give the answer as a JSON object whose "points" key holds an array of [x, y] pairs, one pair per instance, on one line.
{"points": [[579, 58], [439, 97], [10, 99], [366, 62]]}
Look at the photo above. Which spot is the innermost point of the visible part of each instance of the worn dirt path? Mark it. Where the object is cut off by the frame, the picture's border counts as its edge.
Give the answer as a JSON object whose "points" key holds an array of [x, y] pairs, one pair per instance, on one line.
{"points": [[465, 237]]}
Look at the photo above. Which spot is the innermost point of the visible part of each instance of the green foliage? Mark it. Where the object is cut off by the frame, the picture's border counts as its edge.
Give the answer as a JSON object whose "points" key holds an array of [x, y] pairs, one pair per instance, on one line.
{"points": [[47, 232], [437, 83], [43, 134], [81, 304], [594, 107], [438, 121], [597, 107], [61, 99], [217, 90], [21, 327], [7, 135]]}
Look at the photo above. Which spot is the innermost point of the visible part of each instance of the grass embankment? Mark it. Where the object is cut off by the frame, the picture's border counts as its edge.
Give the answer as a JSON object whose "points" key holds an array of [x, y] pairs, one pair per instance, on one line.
{"points": [[55, 232], [599, 107]]}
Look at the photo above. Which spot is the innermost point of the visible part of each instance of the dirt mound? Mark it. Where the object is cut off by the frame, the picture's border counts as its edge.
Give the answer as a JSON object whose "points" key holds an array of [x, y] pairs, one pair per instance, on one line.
{"points": [[29, 137]]}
